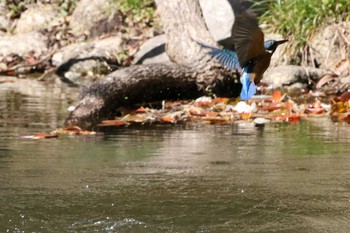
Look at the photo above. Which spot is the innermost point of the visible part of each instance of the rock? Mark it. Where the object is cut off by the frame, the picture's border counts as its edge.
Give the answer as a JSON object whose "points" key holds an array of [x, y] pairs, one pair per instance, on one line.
{"points": [[219, 17], [99, 48], [4, 20], [23, 44], [37, 17], [291, 76], [95, 17], [82, 63], [331, 44], [152, 51]]}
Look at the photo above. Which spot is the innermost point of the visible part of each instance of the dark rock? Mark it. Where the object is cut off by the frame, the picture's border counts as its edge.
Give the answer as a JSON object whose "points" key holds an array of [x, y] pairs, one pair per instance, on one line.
{"points": [[95, 17], [152, 51], [291, 76], [37, 17]]}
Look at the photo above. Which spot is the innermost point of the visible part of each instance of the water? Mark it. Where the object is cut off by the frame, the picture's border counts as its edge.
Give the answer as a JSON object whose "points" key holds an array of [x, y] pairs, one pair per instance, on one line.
{"points": [[194, 178]]}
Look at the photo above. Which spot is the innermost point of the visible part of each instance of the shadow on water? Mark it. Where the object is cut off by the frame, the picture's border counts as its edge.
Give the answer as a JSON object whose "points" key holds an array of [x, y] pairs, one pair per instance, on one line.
{"points": [[187, 178]]}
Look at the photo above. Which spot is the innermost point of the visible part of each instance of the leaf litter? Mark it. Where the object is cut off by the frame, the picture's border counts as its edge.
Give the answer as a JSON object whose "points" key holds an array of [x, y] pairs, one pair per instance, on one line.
{"points": [[207, 110], [329, 98]]}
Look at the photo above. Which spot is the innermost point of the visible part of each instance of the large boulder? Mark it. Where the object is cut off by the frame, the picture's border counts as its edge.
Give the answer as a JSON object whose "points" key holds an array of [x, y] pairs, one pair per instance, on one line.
{"points": [[330, 44], [23, 44], [37, 17], [219, 17], [82, 63], [291, 76], [95, 17]]}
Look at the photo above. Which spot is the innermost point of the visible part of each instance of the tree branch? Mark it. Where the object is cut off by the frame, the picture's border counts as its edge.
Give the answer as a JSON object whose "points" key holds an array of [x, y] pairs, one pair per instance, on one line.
{"points": [[129, 86]]}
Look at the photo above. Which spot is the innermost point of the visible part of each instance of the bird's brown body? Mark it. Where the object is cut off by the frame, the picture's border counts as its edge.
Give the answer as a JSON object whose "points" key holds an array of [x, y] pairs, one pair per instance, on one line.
{"points": [[261, 64]]}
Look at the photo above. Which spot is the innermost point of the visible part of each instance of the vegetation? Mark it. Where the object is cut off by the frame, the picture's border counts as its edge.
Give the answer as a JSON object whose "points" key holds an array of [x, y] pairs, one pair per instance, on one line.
{"points": [[16, 7], [139, 23], [298, 20], [140, 13], [139, 10]]}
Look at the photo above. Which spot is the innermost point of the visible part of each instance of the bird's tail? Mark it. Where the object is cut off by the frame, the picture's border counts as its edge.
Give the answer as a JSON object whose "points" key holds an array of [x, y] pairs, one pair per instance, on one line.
{"points": [[248, 86]]}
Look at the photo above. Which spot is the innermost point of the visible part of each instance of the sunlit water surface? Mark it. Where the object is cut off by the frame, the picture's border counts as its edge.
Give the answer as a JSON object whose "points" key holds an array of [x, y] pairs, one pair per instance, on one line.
{"points": [[194, 178]]}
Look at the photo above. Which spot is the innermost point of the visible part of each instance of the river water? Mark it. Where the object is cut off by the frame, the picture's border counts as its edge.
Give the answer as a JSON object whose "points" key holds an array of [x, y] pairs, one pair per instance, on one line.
{"points": [[187, 178]]}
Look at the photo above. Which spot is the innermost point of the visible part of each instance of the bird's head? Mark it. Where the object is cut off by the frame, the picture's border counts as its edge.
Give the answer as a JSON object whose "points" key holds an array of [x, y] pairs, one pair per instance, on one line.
{"points": [[271, 45]]}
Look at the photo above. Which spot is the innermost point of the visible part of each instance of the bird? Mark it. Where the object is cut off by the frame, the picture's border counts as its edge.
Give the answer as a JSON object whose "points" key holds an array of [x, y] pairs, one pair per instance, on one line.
{"points": [[252, 54]]}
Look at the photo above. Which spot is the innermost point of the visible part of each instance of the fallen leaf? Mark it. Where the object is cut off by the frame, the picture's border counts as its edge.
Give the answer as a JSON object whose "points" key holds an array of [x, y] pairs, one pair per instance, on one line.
{"points": [[168, 119], [339, 106], [293, 118], [343, 67], [345, 96], [215, 120], [44, 136], [212, 114], [134, 118], [113, 123], [203, 101], [245, 116], [276, 96], [74, 130], [141, 110], [314, 110], [340, 117], [220, 100], [274, 106], [196, 111]]}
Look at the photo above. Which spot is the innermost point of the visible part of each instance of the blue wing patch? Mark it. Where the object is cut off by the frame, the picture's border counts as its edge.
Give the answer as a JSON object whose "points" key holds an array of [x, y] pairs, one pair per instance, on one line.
{"points": [[225, 57], [248, 87]]}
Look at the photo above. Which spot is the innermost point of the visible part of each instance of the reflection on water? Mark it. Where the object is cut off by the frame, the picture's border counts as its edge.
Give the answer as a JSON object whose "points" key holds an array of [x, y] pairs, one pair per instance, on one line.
{"points": [[194, 178]]}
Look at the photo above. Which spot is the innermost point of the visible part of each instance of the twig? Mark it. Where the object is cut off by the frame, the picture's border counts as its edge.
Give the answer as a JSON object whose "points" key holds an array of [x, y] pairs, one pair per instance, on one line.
{"points": [[16, 67], [344, 37], [332, 43]]}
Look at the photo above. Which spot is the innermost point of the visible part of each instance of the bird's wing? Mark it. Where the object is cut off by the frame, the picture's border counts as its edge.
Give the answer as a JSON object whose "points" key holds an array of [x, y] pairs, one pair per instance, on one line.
{"points": [[225, 57], [247, 38]]}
